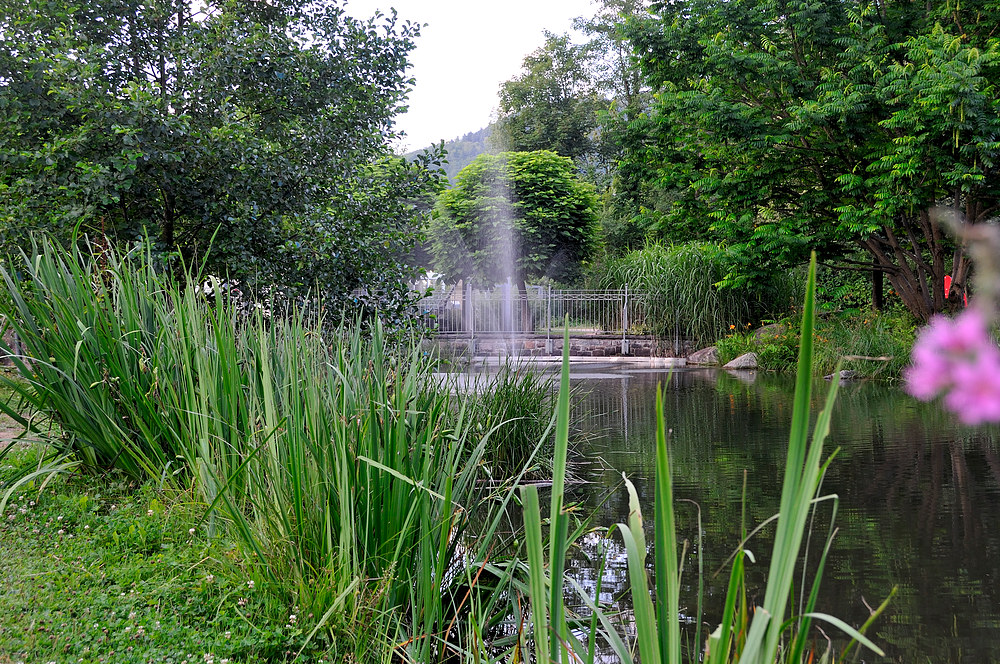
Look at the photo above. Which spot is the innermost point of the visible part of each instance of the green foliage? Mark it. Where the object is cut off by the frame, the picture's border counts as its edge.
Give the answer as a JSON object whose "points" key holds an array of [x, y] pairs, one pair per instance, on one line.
{"points": [[873, 344], [262, 131], [828, 126], [552, 105], [533, 198], [775, 351], [682, 283], [633, 201]]}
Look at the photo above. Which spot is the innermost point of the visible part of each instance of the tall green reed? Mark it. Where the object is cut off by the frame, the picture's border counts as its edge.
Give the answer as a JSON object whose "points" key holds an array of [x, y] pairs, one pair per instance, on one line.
{"points": [[515, 406], [350, 478], [766, 637]]}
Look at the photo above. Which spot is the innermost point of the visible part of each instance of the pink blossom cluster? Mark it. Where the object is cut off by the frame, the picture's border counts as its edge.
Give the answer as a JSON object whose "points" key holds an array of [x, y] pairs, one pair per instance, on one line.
{"points": [[958, 357]]}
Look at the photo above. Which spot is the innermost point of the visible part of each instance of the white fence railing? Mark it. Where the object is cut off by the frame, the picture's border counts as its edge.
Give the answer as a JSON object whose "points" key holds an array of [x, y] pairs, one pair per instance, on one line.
{"points": [[542, 310]]}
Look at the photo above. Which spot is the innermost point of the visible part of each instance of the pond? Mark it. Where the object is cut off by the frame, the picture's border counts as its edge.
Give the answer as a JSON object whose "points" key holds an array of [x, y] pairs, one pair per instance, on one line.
{"points": [[919, 499]]}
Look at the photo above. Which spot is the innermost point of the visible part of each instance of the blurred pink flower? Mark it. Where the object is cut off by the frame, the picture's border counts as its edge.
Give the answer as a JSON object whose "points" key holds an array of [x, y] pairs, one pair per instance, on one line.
{"points": [[958, 357]]}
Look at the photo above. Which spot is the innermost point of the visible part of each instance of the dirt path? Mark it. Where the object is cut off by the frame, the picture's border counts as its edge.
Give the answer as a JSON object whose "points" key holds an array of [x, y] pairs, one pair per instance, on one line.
{"points": [[8, 432]]}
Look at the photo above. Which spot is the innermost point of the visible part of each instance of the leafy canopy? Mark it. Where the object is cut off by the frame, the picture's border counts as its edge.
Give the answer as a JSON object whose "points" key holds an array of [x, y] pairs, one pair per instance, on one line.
{"points": [[552, 105], [517, 214], [263, 129], [840, 126]]}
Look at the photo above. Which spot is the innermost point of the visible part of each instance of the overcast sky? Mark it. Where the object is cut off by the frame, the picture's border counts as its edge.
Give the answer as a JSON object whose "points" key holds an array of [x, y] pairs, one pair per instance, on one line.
{"points": [[466, 50]]}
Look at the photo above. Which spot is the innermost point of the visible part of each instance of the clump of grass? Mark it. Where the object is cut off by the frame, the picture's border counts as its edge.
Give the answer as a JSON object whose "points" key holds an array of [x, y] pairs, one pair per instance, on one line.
{"points": [[515, 407], [874, 344], [682, 286], [348, 478]]}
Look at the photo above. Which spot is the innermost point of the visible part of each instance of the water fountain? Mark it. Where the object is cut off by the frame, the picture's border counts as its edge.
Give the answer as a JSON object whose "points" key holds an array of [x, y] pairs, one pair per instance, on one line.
{"points": [[507, 249]]}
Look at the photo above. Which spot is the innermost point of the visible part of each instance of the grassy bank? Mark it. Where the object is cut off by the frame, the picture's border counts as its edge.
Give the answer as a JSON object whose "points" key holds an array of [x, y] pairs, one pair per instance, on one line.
{"points": [[875, 345], [99, 569]]}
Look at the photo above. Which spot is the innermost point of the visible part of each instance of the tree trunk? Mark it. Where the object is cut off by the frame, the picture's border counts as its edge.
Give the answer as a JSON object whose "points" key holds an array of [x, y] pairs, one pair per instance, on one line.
{"points": [[878, 287]]}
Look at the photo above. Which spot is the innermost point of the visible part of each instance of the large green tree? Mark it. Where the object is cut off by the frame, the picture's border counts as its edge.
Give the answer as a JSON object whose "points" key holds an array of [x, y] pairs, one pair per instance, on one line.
{"points": [[841, 126], [551, 105], [262, 129], [632, 199], [516, 215]]}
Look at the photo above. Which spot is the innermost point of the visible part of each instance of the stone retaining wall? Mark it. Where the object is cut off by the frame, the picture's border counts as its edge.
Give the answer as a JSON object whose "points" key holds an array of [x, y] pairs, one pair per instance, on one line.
{"points": [[578, 347]]}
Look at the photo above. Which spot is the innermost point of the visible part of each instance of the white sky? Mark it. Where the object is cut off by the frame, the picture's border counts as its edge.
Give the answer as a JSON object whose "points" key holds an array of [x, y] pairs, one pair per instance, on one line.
{"points": [[466, 49]]}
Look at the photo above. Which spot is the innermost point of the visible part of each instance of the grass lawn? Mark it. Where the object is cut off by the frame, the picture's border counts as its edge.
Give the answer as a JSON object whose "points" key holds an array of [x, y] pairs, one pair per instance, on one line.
{"points": [[95, 570]]}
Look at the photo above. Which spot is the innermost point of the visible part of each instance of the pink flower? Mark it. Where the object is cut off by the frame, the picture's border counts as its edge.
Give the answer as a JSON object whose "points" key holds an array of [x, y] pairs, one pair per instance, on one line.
{"points": [[959, 358], [975, 398]]}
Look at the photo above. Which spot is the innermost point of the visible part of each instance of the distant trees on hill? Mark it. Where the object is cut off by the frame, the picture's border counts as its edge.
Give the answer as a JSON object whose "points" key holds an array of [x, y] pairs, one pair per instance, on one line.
{"points": [[462, 151]]}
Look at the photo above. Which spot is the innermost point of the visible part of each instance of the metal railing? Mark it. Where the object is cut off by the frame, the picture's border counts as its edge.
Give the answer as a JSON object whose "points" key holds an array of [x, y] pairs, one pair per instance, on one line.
{"points": [[542, 310]]}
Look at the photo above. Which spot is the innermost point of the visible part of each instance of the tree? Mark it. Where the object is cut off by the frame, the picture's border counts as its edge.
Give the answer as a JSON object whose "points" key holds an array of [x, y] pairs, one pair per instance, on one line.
{"points": [[259, 128], [517, 215], [632, 198], [830, 125], [552, 105]]}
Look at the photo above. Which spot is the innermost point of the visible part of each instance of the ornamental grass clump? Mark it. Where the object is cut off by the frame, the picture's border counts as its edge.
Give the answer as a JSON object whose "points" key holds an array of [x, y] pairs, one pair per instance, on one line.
{"points": [[684, 294], [515, 406]]}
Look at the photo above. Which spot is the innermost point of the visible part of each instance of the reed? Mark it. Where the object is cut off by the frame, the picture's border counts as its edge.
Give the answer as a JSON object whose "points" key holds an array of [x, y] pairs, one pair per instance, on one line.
{"points": [[350, 479], [760, 634], [516, 406]]}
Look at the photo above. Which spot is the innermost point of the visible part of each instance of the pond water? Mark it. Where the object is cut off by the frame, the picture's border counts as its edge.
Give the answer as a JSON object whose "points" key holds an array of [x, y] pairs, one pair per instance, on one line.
{"points": [[919, 499]]}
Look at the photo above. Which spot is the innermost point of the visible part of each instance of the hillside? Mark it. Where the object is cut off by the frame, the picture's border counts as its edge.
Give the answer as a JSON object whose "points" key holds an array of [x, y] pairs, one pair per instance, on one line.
{"points": [[462, 150]]}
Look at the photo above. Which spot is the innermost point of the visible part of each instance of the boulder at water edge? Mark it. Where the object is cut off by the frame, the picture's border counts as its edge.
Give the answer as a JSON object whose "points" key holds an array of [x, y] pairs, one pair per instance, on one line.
{"points": [[708, 355], [845, 374], [745, 361]]}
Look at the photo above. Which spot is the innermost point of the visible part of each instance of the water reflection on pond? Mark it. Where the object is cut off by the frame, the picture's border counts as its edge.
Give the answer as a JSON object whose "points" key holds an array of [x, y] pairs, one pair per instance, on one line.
{"points": [[918, 508]]}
